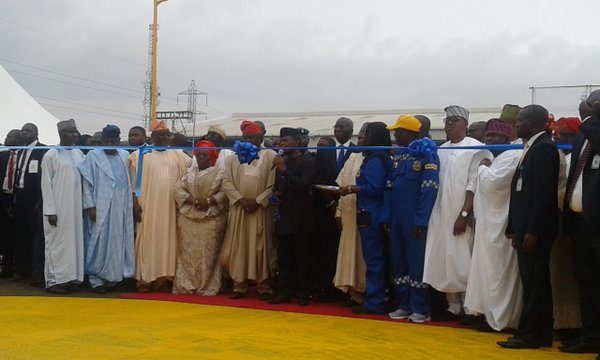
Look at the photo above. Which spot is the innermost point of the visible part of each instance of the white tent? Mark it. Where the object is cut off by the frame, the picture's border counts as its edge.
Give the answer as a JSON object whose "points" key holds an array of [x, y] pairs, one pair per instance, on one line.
{"points": [[17, 108]]}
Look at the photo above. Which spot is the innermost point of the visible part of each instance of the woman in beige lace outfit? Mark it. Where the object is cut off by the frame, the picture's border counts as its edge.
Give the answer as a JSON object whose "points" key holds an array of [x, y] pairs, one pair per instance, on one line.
{"points": [[201, 224]]}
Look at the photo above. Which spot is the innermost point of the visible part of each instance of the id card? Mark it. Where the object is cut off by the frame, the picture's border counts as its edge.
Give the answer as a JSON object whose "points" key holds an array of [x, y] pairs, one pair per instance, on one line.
{"points": [[519, 184], [596, 162], [33, 167]]}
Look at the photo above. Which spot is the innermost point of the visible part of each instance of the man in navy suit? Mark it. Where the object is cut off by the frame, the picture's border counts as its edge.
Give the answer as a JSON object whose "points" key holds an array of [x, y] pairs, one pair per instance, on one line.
{"points": [[532, 226]]}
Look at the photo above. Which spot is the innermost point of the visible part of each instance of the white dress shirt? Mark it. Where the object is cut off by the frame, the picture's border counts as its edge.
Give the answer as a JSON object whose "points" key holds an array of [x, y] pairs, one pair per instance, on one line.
{"points": [[576, 203]]}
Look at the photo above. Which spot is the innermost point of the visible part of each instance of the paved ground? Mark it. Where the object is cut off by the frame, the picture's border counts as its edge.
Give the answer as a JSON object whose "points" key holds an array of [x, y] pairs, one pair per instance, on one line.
{"points": [[22, 288]]}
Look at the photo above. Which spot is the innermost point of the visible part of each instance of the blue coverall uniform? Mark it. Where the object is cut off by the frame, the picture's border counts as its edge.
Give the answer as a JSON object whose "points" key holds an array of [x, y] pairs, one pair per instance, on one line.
{"points": [[371, 180], [411, 191]]}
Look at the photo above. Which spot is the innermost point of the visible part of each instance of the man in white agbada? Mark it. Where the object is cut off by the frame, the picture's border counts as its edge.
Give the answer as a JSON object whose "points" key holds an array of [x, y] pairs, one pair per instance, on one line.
{"points": [[494, 289], [109, 239], [449, 238], [63, 217]]}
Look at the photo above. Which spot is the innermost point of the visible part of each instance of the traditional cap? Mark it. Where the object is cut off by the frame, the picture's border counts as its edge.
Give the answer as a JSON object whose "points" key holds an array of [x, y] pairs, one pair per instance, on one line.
{"points": [[303, 131], [213, 153], [111, 132], [406, 122], [498, 127], [457, 111], [159, 126], [287, 131], [509, 112], [217, 129], [66, 125], [250, 128], [567, 125]]}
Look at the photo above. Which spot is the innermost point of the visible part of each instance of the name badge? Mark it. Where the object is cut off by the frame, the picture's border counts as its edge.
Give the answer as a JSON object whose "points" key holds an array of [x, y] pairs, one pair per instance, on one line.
{"points": [[596, 162], [33, 167], [519, 184]]}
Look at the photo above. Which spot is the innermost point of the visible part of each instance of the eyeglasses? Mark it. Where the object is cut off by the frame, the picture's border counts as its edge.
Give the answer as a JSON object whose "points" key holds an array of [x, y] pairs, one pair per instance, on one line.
{"points": [[452, 120]]}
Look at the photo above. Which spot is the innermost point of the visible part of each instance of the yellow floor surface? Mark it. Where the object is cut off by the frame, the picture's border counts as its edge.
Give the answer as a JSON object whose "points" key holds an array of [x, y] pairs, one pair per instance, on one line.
{"points": [[73, 328]]}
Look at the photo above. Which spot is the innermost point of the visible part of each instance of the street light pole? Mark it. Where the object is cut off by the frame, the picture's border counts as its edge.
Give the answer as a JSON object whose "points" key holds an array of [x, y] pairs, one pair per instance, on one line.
{"points": [[153, 95]]}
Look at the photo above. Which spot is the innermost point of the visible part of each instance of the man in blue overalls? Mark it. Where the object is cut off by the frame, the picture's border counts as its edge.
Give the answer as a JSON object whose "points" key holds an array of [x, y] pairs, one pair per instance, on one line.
{"points": [[411, 190]]}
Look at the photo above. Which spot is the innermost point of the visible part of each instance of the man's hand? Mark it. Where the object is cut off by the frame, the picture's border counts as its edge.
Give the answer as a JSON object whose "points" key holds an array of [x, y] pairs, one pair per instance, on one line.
{"points": [[92, 214], [279, 163], [201, 204], [529, 243], [485, 162], [249, 205], [137, 211], [52, 220], [420, 232], [387, 228], [460, 225], [345, 190]]}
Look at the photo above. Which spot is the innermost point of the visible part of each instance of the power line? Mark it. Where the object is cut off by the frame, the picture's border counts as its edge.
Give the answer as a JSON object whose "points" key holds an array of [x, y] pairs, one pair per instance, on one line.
{"points": [[71, 76], [72, 84], [80, 104], [90, 111]]}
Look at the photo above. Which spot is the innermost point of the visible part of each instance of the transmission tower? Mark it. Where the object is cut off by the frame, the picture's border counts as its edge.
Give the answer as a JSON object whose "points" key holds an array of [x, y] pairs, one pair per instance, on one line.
{"points": [[192, 96]]}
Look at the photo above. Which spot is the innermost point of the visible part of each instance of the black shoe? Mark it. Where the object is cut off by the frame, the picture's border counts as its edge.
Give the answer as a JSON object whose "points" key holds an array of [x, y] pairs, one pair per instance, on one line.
{"points": [[580, 347], [325, 298], [6, 274], [303, 301], [364, 311], [265, 296], [472, 320], [236, 295], [99, 289], [57, 289], [279, 299], [449, 316], [38, 283], [514, 343]]}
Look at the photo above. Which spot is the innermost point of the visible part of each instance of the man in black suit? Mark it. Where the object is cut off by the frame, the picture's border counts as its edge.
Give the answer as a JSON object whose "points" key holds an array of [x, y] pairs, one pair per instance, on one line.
{"points": [[8, 164], [582, 223], [29, 231], [326, 234], [532, 226]]}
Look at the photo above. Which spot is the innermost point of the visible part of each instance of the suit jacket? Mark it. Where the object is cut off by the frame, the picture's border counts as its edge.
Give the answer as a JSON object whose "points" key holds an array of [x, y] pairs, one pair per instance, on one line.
{"points": [[327, 173], [590, 130], [32, 192], [534, 207]]}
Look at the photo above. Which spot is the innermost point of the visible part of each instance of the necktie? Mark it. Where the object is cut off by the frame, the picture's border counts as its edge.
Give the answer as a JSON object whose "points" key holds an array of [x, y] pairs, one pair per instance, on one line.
{"points": [[11, 170], [583, 159], [341, 159]]}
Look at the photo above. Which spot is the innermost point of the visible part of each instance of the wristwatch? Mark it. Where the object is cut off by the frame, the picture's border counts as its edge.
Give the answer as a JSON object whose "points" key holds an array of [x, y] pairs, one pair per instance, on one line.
{"points": [[464, 214]]}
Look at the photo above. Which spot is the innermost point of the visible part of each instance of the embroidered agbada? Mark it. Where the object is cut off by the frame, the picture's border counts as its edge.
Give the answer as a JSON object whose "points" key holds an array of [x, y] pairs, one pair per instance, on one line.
{"points": [[201, 233], [156, 240], [448, 257], [248, 252], [494, 287], [350, 268], [109, 241], [62, 196]]}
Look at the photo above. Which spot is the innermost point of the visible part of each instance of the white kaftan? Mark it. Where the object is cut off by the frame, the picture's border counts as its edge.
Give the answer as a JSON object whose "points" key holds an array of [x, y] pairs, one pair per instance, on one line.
{"points": [[448, 257], [62, 196], [494, 287]]}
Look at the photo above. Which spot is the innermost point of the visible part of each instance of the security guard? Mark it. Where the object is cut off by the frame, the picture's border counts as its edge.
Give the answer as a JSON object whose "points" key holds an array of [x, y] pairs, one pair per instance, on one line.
{"points": [[411, 190]]}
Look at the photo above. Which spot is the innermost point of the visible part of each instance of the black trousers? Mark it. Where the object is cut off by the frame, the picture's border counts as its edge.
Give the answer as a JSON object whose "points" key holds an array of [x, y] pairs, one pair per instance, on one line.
{"points": [[292, 253], [587, 271], [324, 245], [7, 234], [537, 320], [29, 240]]}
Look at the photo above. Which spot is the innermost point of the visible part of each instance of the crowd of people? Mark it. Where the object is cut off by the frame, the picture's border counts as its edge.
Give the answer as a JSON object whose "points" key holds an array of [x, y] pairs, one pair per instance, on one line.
{"points": [[499, 237]]}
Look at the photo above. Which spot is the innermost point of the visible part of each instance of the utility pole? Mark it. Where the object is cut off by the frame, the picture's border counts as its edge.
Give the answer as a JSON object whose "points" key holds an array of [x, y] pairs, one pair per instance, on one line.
{"points": [[153, 97]]}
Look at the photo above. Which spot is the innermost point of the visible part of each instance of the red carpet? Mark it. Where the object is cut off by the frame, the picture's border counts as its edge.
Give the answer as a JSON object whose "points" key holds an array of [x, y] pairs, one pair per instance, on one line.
{"points": [[251, 301]]}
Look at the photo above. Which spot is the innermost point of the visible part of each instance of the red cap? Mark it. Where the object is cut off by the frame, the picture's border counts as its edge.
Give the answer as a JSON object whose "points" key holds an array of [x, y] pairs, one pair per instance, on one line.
{"points": [[567, 125], [250, 128]]}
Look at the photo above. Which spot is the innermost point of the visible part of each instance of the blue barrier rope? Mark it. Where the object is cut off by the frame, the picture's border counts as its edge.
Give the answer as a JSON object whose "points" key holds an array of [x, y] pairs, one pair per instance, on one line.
{"points": [[145, 149]]}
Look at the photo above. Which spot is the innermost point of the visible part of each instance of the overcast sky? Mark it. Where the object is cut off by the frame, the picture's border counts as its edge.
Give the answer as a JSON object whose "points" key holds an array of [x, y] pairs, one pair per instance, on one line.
{"points": [[310, 55]]}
